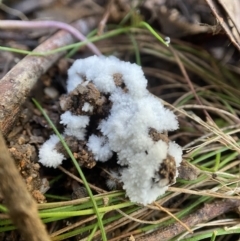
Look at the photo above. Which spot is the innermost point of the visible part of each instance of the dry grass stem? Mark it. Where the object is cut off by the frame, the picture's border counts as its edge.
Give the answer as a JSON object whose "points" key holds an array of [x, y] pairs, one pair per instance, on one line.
{"points": [[173, 216], [98, 190]]}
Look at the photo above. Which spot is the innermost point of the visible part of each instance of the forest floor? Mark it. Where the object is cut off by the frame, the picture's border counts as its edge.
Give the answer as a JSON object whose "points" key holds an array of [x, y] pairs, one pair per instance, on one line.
{"points": [[197, 77]]}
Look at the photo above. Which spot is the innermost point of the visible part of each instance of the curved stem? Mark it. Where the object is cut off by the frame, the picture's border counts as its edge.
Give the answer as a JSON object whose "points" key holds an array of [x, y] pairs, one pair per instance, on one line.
{"points": [[16, 24]]}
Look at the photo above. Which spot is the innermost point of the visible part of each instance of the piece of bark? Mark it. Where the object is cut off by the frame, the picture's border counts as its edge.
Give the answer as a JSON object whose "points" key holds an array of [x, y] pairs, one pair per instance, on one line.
{"points": [[22, 208], [204, 214], [17, 83]]}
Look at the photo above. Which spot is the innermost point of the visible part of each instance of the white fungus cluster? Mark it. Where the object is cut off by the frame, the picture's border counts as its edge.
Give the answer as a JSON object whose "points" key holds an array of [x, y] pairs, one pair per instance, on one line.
{"points": [[125, 131]]}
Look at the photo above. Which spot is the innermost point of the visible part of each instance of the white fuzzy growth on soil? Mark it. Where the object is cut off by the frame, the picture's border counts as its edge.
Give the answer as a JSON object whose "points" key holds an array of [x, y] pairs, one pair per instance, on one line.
{"points": [[75, 125], [48, 156], [126, 129], [87, 107], [100, 148]]}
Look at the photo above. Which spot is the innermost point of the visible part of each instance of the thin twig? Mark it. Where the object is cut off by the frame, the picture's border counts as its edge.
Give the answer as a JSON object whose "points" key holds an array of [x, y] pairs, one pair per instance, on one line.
{"points": [[97, 189], [184, 72], [207, 193], [173, 216], [15, 24], [72, 226], [104, 19]]}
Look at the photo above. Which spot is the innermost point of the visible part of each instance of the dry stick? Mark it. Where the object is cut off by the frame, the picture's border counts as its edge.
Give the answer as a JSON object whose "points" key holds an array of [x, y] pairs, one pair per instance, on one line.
{"points": [[17, 83], [204, 214], [104, 19], [22, 208]]}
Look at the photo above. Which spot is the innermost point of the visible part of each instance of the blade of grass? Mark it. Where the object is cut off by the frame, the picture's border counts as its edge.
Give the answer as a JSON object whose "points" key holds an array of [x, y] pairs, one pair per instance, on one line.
{"points": [[104, 237], [3, 209], [136, 49], [87, 41], [214, 235], [217, 162], [92, 233], [209, 234], [84, 212], [153, 32]]}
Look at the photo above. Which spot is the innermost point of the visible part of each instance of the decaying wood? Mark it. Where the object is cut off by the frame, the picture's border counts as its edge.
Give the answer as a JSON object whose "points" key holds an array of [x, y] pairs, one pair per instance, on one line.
{"points": [[22, 208], [17, 83], [202, 215]]}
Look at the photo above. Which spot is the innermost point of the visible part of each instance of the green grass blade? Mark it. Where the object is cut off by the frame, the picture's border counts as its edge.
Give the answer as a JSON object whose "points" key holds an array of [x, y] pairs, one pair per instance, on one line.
{"points": [[99, 216]]}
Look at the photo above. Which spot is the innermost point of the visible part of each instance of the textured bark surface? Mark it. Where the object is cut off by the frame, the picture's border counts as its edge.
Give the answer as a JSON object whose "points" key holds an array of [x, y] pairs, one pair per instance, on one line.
{"points": [[204, 214], [17, 83], [22, 208]]}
